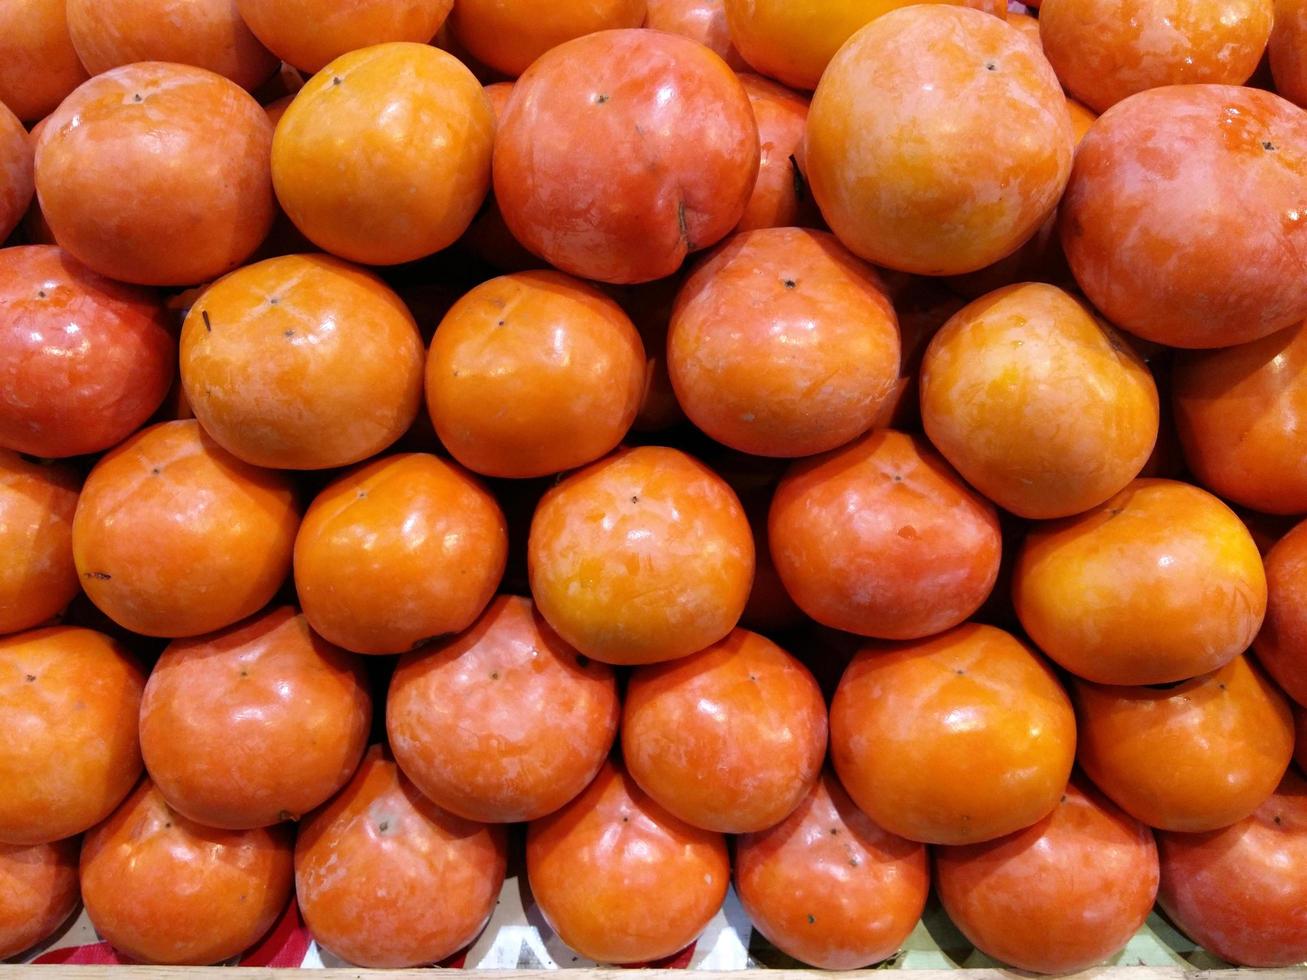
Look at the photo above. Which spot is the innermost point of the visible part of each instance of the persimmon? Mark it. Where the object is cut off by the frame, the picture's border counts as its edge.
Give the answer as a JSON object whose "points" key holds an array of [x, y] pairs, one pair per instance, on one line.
{"points": [[310, 33], [881, 538], [828, 886], [38, 577], [505, 722], [561, 363], [1300, 745], [621, 880], [1106, 50], [508, 35], [16, 186], [1287, 50], [938, 140], [84, 361], [1239, 891], [780, 197], [621, 152], [1182, 220], [1059, 896], [1281, 646], [642, 557], [731, 738], [956, 739], [302, 362], [174, 536], [38, 65], [1193, 757], [702, 20], [385, 878], [1039, 404], [1158, 584], [157, 173], [161, 888], [782, 343], [38, 892], [71, 698]]}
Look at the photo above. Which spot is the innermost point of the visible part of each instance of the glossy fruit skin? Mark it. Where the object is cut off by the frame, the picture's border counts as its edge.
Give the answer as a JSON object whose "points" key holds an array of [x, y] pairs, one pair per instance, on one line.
{"points": [[780, 197], [83, 360], [163, 889], [38, 65], [1160, 583], [922, 158], [560, 361], [1040, 405], [621, 152], [302, 362], [621, 880], [402, 549], [157, 173], [1191, 758], [38, 892], [79, 753], [882, 539], [701, 20], [384, 155], [956, 739], [256, 724], [731, 738], [1238, 412], [310, 33], [174, 536], [782, 343], [1288, 50], [1059, 896], [418, 884], [1281, 646], [1222, 253], [1239, 892], [38, 577], [1300, 746], [1106, 50], [644, 556], [508, 35], [16, 184], [828, 886], [504, 723], [205, 33]]}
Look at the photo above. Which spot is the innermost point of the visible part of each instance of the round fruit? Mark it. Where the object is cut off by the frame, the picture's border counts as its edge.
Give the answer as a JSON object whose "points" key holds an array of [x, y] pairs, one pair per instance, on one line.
{"points": [[310, 33], [15, 171], [387, 879], [731, 738], [780, 196], [38, 892], [938, 140], [957, 739], [560, 361], [1288, 50], [174, 536], [70, 699], [38, 577], [702, 20], [508, 35], [1282, 643], [38, 65], [1160, 583], [157, 173], [621, 880], [302, 362], [504, 723], [641, 557]]}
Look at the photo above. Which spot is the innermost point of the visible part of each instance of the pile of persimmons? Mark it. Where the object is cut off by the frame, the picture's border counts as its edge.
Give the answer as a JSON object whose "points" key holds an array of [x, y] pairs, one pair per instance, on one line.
{"points": [[683, 439]]}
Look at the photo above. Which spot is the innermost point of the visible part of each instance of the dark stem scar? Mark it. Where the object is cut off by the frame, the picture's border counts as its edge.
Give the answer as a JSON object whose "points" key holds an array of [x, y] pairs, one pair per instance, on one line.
{"points": [[812, 920], [789, 283], [30, 678], [383, 826], [288, 333], [98, 576], [204, 315], [137, 97], [1268, 145], [600, 98], [336, 80]]}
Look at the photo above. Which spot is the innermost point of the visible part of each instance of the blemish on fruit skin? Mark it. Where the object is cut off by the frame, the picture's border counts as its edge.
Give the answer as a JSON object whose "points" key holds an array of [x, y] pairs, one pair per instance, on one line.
{"points": [[30, 678], [98, 576], [336, 80], [811, 919], [204, 315]]}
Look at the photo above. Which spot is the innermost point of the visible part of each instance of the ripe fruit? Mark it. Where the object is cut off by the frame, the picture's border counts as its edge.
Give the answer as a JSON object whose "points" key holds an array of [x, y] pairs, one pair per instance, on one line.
{"points": [[15, 171], [731, 738], [302, 362], [1160, 583], [621, 880], [702, 20], [398, 551], [38, 892], [1281, 645], [780, 197], [1287, 50], [37, 577], [504, 723], [782, 343], [1183, 221], [641, 557], [828, 886], [385, 878], [157, 173], [83, 360], [174, 536], [880, 538], [560, 362], [163, 889], [938, 140], [508, 35], [1059, 896], [621, 152], [960, 738], [38, 65], [1193, 757], [310, 33], [71, 699], [1037, 402]]}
